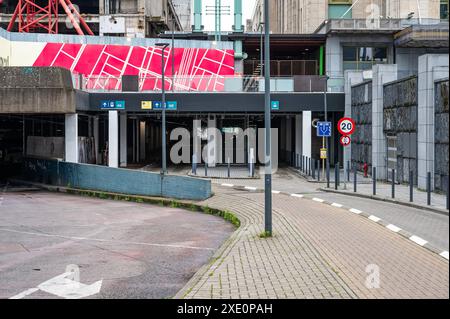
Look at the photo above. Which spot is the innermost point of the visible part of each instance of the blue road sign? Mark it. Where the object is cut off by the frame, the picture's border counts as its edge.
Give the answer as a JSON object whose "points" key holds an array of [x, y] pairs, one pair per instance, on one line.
{"points": [[112, 105], [275, 105], [324, 129], [170, 105]]}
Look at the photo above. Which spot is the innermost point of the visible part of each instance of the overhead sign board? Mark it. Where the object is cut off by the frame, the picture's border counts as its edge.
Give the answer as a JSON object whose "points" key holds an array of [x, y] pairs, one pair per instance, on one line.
{"points": [[275, 105], [112, 105], [146, 105], [324, 129], [170, 105]]}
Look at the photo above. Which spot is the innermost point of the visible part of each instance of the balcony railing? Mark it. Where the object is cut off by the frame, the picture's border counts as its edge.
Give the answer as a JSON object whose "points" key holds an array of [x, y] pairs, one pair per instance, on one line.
{"points": [[146, 83]]}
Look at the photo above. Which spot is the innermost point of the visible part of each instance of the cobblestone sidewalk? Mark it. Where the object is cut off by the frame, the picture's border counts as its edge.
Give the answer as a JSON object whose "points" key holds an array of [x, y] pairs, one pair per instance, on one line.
{"points": [[317, 251]]}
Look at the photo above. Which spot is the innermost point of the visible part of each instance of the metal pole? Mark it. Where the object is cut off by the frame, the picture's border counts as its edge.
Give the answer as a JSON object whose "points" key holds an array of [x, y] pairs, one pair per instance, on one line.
{"points": [[325, 108], [411, 186], [328, 173], [313, 166], [447, 193], [163, 105], [267, 120], [229, 174], [206, 168], [354, 178], [393, 183], [338, 174], [374, 180], [428, 188], [173, 54]]}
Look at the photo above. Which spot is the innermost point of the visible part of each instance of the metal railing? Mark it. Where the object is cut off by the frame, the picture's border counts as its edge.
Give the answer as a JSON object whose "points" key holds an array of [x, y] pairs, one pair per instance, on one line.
{"points": [[213, 83]]}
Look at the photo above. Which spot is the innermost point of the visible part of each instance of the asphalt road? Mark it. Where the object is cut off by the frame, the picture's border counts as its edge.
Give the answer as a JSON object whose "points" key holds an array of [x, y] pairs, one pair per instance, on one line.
{"points": [[136, 250]]}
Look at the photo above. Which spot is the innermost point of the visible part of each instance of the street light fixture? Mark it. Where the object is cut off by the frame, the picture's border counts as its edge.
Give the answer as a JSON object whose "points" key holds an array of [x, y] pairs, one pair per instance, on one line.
{"points": [[163, 47]]}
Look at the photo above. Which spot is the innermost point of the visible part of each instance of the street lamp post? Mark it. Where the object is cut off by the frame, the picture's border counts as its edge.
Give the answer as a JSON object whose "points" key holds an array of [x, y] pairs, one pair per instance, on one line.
{"points": [[267, 120], [163, 47]]}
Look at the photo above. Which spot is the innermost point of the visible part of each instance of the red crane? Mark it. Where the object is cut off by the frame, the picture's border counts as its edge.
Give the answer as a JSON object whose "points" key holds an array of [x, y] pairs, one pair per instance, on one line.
{"points": [[31, 16]]}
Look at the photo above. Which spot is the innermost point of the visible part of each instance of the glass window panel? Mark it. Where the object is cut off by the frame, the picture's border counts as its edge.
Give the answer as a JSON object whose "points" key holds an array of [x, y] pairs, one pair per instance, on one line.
{"points": [[349, 53], [380, 54], [365, 54]]}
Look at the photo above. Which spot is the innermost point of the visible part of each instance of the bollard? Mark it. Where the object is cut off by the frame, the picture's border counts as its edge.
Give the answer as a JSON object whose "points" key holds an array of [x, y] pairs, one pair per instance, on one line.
{"points": [[206, 169], [318, 170], [348, 171], [411, 186], [302, 168], [447, 193], [309, 166], [336, 173], [229, 173], [298, 161], [393, 183], [194, 165], [328, 173], [428, 188], [374, 180], [354, 179], [313, 164]]}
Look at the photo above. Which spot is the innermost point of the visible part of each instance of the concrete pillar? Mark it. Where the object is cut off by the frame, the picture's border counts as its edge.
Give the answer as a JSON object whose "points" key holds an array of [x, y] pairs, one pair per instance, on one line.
{"points": [[381, 74], [431, 68], [298, 134], [306, 133], [123, 139], [96, 139], [71, 138], [351, 78], [113, 139], [142, 128]]}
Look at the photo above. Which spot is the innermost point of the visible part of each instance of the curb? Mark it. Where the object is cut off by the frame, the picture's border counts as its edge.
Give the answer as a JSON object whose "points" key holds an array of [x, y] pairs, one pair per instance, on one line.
{"points": [[389, 200], [416, 239]]}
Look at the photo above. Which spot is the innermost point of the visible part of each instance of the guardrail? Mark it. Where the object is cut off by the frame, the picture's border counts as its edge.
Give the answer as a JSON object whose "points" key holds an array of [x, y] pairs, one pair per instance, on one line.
{"points": [[213, 83]]}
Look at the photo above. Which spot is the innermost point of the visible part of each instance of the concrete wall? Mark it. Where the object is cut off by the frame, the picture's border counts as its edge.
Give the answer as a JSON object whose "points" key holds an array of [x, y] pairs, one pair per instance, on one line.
{"points": [[116, 180], [400, 121], [361, 112], [441, 135], [36, 90]]}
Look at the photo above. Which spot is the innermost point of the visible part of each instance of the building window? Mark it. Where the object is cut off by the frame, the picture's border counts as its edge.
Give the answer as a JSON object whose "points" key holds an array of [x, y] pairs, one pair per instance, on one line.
{"points": [[363, 58], [339, 11], [444, 9]]}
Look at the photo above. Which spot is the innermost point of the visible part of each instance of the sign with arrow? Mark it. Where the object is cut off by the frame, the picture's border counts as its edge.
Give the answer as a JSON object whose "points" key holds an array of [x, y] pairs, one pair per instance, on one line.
{"points": [[66, 285], [323, 129]]}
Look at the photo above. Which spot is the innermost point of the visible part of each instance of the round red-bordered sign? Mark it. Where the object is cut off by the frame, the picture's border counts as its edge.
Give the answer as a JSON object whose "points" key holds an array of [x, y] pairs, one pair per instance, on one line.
{"points": [[346, 126], [345, 140]]}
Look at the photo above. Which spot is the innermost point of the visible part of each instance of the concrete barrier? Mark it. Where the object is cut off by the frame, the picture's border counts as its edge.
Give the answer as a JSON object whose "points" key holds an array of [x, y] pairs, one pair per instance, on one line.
{"points": [[116, 180]]}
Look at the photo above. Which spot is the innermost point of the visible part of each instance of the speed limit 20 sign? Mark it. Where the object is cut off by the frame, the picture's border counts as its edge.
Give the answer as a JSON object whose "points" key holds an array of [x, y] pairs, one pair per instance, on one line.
{"points": [[346, 126]]}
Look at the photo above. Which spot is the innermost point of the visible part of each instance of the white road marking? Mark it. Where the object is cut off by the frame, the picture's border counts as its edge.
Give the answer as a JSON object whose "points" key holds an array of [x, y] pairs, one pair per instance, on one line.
{"points": [[24, 293], [394, 228], [320, 200], [106, 240], [276, 192], [355, 211], [419, 241], [64, 287], [444, 254], [227, 185], [297, 195], [374, 218], [250, 188], [337, 205]]}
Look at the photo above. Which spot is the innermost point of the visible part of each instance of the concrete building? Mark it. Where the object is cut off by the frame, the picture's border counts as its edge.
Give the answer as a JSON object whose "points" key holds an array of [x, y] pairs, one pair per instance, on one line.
{"points": [[128, 18], [302, 16]]}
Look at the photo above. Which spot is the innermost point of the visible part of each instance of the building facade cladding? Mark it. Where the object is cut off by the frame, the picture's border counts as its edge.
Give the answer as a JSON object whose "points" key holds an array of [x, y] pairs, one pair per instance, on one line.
{"points": [[305, 16]]}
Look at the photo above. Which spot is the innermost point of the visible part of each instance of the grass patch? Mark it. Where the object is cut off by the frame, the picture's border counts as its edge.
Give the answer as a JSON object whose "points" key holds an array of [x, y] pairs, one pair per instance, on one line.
{"points": [[265, 234]]}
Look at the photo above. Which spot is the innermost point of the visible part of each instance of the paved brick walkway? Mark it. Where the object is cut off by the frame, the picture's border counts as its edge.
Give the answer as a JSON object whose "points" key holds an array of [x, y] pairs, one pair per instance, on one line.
{"points": [[317, 251]]}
